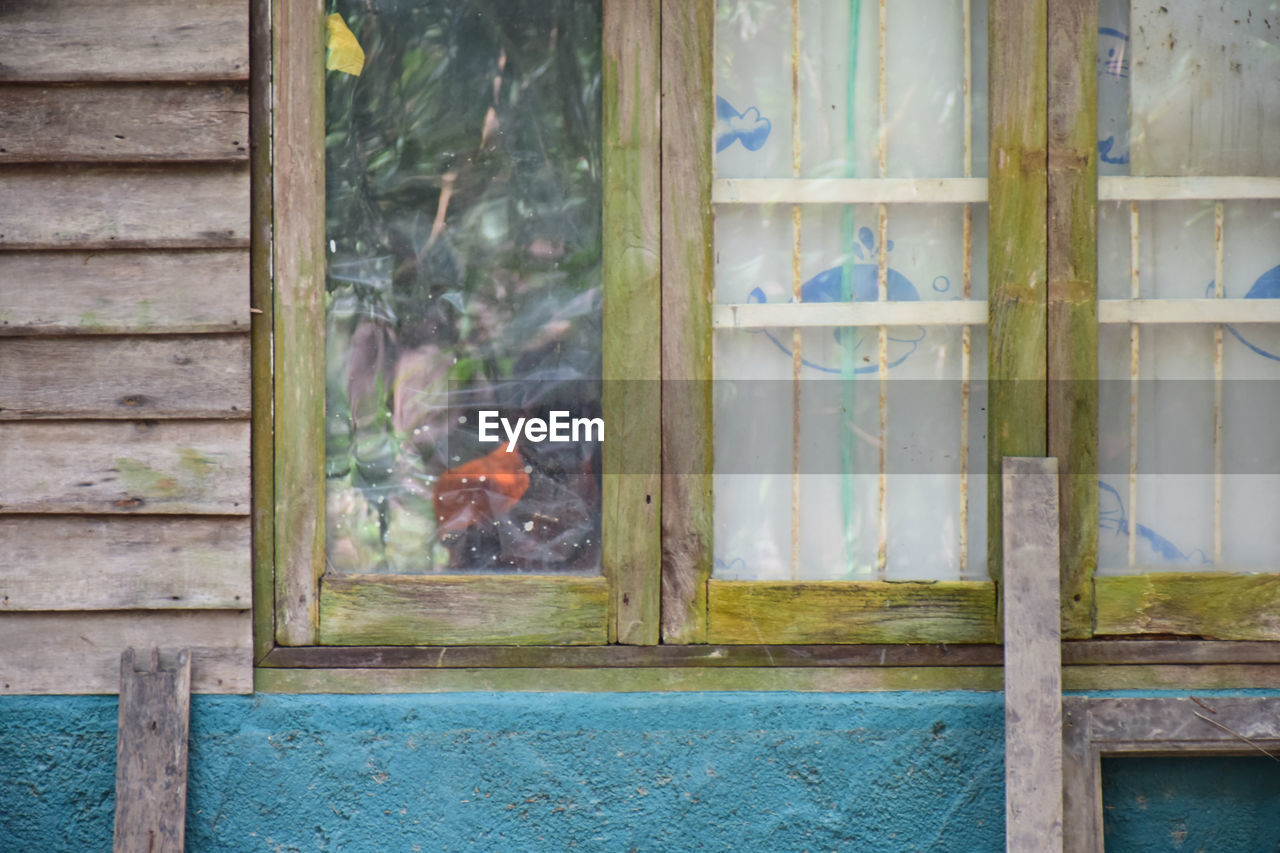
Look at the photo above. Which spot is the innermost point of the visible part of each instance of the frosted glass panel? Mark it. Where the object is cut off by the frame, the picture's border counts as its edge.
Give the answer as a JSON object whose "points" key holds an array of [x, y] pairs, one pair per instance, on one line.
{"points": [[843, 451], [1190, 466], [838, 112]]}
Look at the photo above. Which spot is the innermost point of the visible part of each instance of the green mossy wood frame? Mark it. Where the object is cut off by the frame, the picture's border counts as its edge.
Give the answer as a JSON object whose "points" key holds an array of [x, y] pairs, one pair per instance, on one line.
{"points": [[311, 608], [368, 633]]}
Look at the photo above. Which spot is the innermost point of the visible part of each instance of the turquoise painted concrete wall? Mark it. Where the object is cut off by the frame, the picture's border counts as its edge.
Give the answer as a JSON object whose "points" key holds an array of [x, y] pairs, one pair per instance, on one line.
{"points": [[611, 772], [532, 772]]}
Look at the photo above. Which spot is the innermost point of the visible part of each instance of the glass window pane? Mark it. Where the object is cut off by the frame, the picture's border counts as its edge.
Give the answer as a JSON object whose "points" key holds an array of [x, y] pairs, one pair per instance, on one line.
{"points": [[463, 222]]}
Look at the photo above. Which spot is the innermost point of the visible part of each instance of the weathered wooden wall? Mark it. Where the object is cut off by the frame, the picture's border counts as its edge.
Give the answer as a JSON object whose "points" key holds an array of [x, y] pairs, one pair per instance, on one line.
{"points": [[124, 340]]}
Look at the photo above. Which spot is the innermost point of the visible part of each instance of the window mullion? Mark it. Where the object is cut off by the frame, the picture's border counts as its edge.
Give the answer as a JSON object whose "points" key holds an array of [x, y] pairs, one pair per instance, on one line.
{"points": [[1073, 291], [1016, 328]]}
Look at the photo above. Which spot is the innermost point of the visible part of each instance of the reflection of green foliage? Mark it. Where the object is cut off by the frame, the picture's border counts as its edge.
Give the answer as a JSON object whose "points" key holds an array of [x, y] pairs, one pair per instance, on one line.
{"points": [[462, 218]]}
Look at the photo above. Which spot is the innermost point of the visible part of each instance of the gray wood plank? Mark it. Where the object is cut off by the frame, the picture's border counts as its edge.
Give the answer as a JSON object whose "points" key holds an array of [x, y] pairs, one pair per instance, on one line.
{"points": [[140, 467], [191, 206], [204, 376], [1094, 727], [127, 563], [123, 123], [688, 31], [81, 40], [151, 752], [1033, 665], [1081, 781], [133, 292], [66, 653], [298, 309]]}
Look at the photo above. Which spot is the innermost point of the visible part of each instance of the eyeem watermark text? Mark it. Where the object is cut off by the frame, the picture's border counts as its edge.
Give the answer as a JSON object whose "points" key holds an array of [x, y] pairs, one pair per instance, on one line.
{"points": [[560, 426]]}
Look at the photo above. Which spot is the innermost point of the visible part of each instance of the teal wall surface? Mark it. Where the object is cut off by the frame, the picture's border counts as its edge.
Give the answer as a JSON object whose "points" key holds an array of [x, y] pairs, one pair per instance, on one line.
{"points": [[611, 772]]}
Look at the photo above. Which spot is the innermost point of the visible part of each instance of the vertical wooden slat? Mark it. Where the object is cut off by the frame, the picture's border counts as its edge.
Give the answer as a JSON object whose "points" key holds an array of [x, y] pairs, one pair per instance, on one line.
{"points": [[1016, 351], [1081, 785], [688, 32], [1073, 294], [298, 199], [1135, 372], [1218, 292], [151, 753], [966, 293], [262, 442], [797, 292], [1032, 658], [632, 319]]}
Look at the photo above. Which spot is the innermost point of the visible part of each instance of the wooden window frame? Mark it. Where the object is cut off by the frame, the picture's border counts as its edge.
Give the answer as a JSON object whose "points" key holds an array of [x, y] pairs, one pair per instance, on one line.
{"points": [[665, 614], [1094, 728], [620, 605], [1219, 605]]}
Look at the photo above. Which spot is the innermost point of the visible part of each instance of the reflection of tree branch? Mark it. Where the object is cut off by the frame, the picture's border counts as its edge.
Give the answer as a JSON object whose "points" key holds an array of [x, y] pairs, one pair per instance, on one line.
{"points": [[446, 193]]}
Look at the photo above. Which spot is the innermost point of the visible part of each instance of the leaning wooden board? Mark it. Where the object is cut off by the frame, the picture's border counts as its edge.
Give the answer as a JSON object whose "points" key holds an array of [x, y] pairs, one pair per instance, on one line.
{"points": [[151, 751]]}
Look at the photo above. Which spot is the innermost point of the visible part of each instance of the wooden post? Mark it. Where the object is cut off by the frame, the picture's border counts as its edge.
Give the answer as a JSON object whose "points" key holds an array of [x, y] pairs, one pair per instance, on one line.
{"points": [[1073, 297], [151, 753], [1032, 657], [1017, 348]]}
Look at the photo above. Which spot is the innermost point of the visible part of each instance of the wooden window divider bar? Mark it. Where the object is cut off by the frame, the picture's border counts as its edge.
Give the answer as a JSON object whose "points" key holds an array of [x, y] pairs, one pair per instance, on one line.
{"points": [[974, 312], [974, 190]]}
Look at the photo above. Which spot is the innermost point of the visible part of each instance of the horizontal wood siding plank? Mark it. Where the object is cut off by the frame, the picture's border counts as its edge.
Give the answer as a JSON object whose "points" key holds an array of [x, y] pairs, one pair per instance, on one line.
{"points": [[851, 612], [82, 40], [63, 293], [141, 467], [80, 652], [92, 563], [457, 609], [1214, 605], [129, 123], [204, 376], [135, 207]]}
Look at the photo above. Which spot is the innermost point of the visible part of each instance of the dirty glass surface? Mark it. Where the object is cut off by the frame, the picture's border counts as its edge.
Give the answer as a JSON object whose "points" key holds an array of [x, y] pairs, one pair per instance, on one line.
{"points": [[828, 478], [1189, 124], [463, 222]]}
